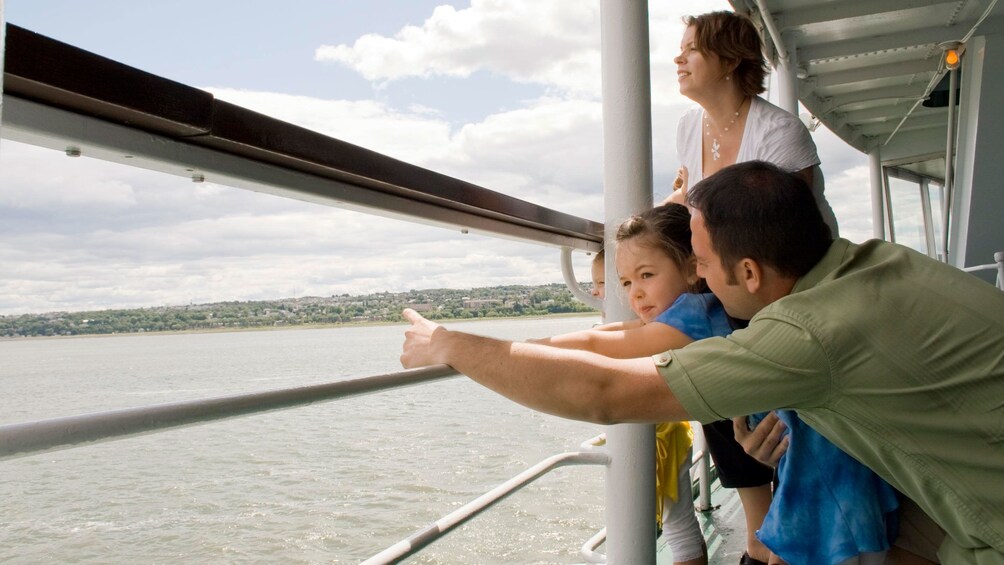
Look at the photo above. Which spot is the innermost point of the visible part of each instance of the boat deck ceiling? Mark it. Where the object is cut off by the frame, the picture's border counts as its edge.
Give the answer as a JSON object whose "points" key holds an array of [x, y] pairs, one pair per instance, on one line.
{"points": [[866, 66], [59, 96]]}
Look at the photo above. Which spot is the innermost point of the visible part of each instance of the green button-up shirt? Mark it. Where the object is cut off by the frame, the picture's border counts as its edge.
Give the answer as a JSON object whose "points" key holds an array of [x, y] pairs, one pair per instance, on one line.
{"points": [[895, 358]]}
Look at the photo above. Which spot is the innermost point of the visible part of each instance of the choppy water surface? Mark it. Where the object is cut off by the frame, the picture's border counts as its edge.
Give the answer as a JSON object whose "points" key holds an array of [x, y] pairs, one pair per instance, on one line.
{"points": [[330, 483]]}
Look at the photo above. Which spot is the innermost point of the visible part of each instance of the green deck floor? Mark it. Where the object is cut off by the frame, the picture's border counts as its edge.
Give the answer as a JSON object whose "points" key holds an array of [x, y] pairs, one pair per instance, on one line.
{"points": [[724, 529]]}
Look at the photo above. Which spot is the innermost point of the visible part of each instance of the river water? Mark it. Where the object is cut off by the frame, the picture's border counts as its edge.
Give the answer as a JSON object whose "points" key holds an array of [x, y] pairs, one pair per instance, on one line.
{"points": [[329, 483]]}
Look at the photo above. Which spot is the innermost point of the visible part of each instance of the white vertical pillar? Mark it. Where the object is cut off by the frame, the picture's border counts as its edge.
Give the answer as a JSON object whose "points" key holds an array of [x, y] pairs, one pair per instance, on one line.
{"points": [[787, 75], [878, 203], [3, 53], [946, 212], [627, 180]]}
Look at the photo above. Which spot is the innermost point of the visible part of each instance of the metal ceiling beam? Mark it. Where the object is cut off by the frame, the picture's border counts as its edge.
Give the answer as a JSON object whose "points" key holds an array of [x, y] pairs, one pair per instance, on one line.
{"points": [[882, 112], [876, 72], [914, 123], [904, 92], [919, 38], [847, 9]]}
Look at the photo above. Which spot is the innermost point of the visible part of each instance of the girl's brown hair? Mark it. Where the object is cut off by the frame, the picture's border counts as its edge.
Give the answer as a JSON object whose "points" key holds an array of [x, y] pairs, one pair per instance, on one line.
{"points": [[666, 228]]}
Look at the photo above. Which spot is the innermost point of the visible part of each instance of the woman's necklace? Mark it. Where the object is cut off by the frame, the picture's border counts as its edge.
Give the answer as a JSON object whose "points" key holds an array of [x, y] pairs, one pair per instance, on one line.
{"points": [[715, 145]]}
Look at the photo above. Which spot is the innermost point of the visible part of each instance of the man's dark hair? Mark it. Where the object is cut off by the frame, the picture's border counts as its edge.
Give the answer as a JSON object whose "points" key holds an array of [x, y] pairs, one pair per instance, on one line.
{"points": [[756, 210]]}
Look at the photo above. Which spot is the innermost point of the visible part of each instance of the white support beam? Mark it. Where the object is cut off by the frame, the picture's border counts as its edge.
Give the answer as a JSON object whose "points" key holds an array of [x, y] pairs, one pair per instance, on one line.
{"points": [[878, 207], [3, 51], [787, 74], [627, 179]]}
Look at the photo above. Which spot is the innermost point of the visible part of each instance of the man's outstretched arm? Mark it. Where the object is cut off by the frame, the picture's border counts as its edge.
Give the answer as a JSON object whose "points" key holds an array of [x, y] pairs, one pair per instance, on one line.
{"points": [[572, 384]]}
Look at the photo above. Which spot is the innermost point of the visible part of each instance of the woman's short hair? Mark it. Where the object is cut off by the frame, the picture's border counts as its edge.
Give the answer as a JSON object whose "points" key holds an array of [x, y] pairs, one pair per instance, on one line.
{"points": [[735, 40]]}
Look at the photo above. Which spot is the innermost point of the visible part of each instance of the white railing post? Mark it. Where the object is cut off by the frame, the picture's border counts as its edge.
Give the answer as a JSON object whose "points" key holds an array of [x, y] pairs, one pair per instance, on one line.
{"points": [[703, 465], [568, 272], [999, 258], [627, 179]]}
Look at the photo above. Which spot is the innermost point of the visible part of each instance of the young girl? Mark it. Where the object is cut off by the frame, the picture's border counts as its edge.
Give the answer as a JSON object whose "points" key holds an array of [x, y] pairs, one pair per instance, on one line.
{"points": [[656, 269]]}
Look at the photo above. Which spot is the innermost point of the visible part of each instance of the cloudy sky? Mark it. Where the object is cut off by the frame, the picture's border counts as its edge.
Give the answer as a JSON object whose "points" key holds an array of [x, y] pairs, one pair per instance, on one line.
{"points": [[501, 93]]}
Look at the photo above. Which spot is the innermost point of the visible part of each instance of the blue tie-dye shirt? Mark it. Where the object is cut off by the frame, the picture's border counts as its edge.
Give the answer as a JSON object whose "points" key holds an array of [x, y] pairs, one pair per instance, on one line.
{"points": [[827, 507]]}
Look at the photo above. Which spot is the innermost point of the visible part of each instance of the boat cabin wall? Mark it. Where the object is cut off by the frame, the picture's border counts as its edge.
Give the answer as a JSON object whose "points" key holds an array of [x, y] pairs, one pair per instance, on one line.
{"points": [[978, 230]]}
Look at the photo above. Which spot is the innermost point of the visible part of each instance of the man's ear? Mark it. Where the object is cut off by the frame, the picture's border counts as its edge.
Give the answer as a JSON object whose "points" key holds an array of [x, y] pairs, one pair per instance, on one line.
{"points": [[750, 275], [692, 278]]}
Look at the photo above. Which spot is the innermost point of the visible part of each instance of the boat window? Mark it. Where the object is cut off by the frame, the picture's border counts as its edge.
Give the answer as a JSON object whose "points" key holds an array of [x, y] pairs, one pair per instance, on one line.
{"points": [[907, 214], [915, 210], [936, 196]]}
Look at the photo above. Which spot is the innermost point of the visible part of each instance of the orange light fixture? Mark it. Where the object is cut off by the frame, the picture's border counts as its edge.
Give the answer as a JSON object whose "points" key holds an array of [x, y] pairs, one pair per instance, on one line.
{"points": [[952, 58]]}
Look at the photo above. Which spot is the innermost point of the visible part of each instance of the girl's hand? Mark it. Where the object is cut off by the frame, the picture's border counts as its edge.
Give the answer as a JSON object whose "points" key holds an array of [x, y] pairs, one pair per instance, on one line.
{"points": [[681, 180], [679, 195]]}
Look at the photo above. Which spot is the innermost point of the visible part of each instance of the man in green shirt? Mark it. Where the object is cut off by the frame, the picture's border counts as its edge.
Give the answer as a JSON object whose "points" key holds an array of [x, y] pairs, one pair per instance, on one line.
{"points": [[894, 357]]}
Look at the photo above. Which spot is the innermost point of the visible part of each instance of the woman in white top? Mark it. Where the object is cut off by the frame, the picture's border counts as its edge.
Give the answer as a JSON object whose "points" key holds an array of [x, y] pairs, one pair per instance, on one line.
{"points": [[721, 68]]}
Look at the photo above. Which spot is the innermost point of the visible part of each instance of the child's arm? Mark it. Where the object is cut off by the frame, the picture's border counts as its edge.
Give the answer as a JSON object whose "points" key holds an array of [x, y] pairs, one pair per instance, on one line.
{"points": [[639, 341], [582, 338], [617, 326]]}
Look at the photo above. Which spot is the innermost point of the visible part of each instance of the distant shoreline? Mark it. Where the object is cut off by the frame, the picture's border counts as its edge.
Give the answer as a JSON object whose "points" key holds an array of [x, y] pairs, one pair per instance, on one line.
{"points": [[294, 327]]}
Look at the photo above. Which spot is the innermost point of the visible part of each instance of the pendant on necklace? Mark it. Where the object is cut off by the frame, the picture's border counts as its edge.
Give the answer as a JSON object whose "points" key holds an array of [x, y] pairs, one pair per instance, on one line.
{"points": [[715, 146]]}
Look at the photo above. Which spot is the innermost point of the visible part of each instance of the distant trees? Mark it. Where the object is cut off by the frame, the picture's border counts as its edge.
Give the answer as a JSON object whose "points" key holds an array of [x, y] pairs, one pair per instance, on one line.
{"points": [[436, 304]]}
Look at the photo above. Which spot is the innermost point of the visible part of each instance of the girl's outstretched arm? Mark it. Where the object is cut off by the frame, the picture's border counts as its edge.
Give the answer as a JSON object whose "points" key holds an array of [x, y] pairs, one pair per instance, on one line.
{"points": [[638, 341], [582, 339], [617, 326]]}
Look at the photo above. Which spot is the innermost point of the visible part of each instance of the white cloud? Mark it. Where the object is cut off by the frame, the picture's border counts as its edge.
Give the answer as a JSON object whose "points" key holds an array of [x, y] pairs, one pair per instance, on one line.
{"points": [[545, 42], [25, 189], [411, 137], [848, 185], [848, 194], [554, 43]]}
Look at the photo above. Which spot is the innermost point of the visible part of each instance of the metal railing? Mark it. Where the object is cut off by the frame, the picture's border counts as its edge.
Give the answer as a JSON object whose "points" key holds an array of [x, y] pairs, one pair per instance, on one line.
{"points": [[29, 438], [415, 542], [998, 266], [701, 461]]}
